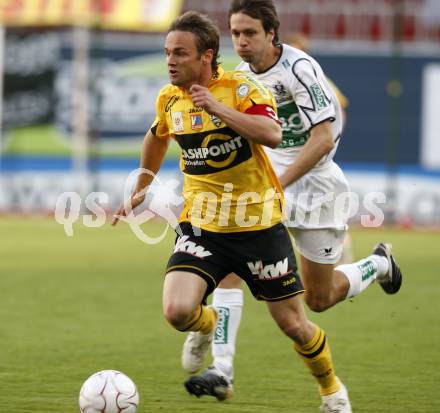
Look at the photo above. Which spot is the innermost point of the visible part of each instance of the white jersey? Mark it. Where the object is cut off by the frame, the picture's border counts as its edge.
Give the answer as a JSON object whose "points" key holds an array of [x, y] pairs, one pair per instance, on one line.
{"points": [[304, 99]]}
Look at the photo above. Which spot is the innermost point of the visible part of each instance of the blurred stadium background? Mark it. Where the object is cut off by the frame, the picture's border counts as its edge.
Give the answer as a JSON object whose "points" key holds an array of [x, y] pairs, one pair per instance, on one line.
{"points": [[79, 83], [80, 80]]}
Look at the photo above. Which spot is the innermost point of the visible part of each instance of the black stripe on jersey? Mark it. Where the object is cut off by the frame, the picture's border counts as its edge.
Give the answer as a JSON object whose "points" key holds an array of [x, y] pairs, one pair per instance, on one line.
{"points": [[329, 100], [322, 89], [330, 118], [317, 81], [212, 151], [154, 128], [332, 151], [280, 46], [305, 108]]}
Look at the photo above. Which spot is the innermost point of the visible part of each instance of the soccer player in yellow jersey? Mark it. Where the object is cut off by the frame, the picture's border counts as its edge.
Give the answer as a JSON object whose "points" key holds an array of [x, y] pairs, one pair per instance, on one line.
{"points": [[313, 185], [231, 221]]}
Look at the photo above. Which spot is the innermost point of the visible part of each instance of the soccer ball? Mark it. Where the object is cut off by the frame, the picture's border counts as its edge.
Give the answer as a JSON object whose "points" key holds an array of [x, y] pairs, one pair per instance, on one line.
{"points": [[108, 391]]}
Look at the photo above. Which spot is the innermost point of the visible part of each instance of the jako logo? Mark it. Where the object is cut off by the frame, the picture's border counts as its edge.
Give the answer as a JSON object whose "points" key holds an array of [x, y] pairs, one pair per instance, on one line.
{"points": [[269, 271], [183, 245]]}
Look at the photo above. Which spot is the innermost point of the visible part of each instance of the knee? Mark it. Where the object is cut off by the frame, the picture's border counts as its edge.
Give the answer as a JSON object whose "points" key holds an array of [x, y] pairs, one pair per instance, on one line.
{"points": [[230, 281], [317, 303], [293, 328], [177, 314]]}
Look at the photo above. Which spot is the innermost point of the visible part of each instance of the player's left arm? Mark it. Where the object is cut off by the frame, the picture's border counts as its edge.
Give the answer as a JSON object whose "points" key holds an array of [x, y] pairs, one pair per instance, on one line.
{"points": [[259, 125], [319, 144]]}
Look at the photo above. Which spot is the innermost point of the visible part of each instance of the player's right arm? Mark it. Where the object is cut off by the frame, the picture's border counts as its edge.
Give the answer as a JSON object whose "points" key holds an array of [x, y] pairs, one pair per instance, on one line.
{"points": [[154, 148], [152, 155]]}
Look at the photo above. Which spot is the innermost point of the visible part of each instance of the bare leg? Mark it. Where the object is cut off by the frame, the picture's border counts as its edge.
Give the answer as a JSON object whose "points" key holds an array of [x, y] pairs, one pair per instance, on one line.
{"points": [[183, 293], [291, 319], [324, 285]]}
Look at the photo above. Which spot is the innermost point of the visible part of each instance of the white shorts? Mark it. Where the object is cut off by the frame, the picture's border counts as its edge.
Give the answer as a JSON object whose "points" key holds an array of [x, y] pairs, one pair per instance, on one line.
{"points": [[319, 200], [323, 246], [317, 207]]}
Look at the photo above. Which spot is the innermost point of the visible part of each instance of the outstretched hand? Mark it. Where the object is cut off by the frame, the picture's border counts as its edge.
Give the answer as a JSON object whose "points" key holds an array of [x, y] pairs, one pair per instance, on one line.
{"points": [[130, 205]]}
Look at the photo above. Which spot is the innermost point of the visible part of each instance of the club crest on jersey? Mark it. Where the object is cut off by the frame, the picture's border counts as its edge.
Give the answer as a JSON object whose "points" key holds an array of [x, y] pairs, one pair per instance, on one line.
{"points": [[243, 90], [280, 93], [196, 121], [216, 121], [177, 121]]}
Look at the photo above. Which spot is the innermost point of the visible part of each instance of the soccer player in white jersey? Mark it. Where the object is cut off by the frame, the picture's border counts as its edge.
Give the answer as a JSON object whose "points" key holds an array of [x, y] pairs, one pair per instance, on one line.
{"points": [[300, 41], [312, 181]]}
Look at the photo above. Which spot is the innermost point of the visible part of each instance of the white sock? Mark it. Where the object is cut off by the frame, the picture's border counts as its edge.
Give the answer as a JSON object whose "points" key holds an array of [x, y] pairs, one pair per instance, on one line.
{"points": [[362, 273], [229, 304], [382, 264]]}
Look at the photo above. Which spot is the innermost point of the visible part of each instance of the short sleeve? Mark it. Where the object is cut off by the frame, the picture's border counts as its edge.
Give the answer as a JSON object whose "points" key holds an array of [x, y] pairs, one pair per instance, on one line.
{"points": [[251, 92], [311, 94], [160, 126]]}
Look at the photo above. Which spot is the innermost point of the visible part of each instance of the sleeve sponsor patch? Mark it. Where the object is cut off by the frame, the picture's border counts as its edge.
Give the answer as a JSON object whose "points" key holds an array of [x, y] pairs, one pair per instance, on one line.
{"points": [[318, 96]]}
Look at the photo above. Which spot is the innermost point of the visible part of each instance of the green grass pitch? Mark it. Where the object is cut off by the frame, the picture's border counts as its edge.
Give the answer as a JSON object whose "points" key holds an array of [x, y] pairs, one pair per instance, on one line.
{"points": [[72, 306]]}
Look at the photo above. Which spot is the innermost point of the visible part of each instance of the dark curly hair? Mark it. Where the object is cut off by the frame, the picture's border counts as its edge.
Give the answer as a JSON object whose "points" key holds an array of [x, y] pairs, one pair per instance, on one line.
{"points": [[263, 10]]}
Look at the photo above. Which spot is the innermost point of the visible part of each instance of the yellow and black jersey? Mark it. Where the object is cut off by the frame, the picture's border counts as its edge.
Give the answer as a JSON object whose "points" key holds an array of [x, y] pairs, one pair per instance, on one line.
{"points": [[229, 183]]}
